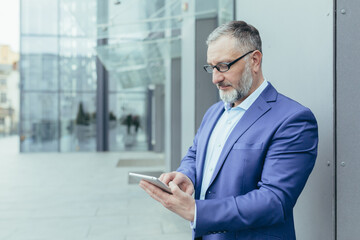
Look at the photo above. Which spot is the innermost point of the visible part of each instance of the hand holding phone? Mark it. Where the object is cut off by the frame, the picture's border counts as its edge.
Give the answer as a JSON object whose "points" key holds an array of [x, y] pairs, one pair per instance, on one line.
{"points": [[153, 180]]}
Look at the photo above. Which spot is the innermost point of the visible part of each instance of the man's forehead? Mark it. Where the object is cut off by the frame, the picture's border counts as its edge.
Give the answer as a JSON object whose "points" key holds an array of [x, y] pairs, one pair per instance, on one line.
{"points": [[224, 42], [221, 50]]}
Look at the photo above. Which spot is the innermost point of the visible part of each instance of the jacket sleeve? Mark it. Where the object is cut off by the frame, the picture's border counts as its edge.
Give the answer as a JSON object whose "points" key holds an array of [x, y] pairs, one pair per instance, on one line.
{"points": [[188, 163], [288, 163]]}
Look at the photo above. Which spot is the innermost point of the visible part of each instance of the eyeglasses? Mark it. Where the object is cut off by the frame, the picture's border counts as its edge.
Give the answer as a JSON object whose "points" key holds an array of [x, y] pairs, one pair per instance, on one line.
{"points": [[223, 66]]}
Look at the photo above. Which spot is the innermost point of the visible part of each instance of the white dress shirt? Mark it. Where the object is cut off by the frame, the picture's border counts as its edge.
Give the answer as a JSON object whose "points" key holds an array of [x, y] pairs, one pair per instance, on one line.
{"points": [[220, 134]]}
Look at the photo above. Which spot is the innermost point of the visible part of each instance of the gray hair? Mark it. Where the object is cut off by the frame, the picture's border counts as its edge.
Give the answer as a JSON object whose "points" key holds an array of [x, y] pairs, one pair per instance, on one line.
{"points": [[247, 37]]}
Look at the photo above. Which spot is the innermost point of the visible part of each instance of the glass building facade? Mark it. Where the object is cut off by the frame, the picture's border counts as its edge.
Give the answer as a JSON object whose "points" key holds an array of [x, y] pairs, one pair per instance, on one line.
{"points": [[93, 72], [58, 77]]}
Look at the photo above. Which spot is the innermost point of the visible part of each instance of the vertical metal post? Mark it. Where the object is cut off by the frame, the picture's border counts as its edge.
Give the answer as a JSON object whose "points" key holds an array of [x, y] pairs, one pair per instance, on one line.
{"points": [[174, 90], [102, 103], [102, 93], [149, 113], [159, 117]]}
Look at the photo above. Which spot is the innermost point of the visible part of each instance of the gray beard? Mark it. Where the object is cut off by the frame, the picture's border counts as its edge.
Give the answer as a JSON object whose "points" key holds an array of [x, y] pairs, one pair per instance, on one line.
{"points": [[241, 90]]}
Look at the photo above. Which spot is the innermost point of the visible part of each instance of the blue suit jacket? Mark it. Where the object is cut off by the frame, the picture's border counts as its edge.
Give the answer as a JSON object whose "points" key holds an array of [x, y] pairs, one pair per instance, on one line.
{"points": [[261, 171]]}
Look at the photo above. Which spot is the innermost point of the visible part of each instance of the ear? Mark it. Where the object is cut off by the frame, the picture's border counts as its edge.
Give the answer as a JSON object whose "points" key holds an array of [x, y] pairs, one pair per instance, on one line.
{"points": [[256, 58]]}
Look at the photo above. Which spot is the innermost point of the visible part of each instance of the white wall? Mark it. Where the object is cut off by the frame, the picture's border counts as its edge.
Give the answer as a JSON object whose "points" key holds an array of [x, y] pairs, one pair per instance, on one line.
{"points": [[298, 60]]}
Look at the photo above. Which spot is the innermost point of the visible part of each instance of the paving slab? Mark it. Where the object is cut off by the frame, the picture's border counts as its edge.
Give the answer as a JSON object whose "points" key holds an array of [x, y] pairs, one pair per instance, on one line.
{"points": [[81, 196]]}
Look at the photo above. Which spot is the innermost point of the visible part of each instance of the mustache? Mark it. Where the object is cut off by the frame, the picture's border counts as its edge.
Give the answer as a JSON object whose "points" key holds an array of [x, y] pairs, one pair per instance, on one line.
{"points": [[223, 84]]}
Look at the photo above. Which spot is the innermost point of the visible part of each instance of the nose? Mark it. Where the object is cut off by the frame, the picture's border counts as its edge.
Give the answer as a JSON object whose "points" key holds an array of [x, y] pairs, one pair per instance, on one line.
{"points": [[217, 76]]}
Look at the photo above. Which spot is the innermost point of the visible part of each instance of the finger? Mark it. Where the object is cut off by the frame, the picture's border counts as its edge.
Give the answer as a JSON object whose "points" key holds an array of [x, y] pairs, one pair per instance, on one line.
{"points": [[189, 190], [182, 179], [156, 193], [178, 178], [165, 176], [162, 176], [185, 184], [153, 191], [168, 177], [175, 188], [150, 189]]}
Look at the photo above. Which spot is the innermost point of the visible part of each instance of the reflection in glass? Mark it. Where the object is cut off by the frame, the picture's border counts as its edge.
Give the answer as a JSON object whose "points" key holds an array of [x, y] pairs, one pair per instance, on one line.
{"points": [[127, 121], [142, 38], [225, 11], [58, 76], [39, 17], [77, 64], [135, 41], [78, 122], [39, 121], [39, 64]]}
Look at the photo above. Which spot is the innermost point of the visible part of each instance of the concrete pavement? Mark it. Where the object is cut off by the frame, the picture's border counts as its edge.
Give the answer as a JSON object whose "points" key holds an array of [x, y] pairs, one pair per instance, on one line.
{"points": [[80, 196]]}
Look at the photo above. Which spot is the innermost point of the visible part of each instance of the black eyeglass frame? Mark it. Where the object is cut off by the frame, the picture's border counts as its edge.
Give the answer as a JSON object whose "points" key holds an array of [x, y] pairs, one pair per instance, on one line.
{"points": [[211, 67]]}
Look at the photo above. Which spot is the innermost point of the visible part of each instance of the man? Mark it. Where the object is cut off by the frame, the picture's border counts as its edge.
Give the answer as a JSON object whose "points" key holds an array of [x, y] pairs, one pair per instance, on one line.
{"points": [[252, 154]]}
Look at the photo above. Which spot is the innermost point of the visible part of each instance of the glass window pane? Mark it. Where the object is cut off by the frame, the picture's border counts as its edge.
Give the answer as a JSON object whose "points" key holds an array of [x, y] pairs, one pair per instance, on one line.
{"points": [[39, 64], [39, 17], [39, 122], [78, 122], [78, 18], [128, 119], [77, 65]]}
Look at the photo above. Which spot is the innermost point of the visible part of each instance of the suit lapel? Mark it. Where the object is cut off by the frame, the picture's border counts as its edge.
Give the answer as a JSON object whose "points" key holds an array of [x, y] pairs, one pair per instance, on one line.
{"points": [[202, 145], [256, 110]]}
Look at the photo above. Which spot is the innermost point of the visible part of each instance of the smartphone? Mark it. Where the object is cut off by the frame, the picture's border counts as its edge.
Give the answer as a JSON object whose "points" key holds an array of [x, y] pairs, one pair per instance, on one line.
{"points": [[153, 180]]}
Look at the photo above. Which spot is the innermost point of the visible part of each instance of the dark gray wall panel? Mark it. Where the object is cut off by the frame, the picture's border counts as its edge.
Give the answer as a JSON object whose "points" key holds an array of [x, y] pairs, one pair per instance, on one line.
{"points": [[206, 92], [348, 118], [175, 129]]}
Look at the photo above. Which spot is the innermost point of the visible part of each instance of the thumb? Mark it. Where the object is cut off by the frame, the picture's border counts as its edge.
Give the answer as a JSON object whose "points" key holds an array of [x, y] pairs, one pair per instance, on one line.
{"points": [[174, 187]]}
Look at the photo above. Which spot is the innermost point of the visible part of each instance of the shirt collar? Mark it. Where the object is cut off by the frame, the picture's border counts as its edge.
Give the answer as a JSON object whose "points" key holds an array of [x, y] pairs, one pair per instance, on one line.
{"points": [[250, 99]]}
